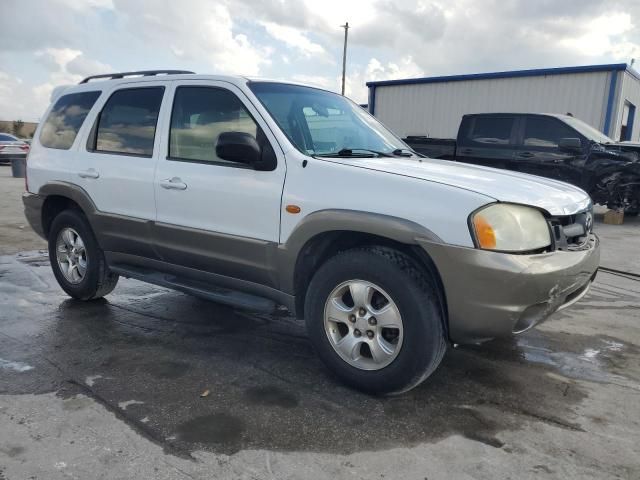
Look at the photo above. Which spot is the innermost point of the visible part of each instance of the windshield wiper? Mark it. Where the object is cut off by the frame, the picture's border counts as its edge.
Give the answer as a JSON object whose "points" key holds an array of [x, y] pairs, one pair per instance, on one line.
{"points": [[352, 152]]}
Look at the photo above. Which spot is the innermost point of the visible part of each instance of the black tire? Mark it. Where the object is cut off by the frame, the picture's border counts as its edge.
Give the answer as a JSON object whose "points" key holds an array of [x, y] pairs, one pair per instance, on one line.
{"points": [[98, 280], [417, 300]]}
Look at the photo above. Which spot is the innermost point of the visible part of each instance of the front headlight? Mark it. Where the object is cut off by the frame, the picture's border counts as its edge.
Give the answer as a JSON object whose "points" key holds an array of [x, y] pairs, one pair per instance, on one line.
{"points": [[510, 228]]}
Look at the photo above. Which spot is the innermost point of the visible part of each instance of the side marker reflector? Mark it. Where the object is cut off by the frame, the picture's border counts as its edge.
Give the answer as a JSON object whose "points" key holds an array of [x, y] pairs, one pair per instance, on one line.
{"points": [[292, 209]]}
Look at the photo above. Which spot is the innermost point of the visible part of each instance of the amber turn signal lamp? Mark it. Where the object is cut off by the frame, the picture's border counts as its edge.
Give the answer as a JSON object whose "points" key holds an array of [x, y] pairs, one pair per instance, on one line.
{"points": [[293, 209], [485, 235]]}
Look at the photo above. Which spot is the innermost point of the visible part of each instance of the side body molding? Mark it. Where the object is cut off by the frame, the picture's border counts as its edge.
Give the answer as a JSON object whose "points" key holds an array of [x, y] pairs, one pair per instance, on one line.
{"points": [[337, 220]]}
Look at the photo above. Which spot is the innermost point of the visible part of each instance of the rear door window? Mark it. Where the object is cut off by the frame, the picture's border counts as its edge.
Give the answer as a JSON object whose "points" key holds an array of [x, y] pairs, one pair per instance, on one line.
{"points": [[545, 132], [127, 123], [490, 131], [65, 119]]}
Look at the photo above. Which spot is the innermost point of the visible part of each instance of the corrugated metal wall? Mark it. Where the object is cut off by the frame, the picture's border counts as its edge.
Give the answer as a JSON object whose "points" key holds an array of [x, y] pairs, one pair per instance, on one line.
{"points": [[435, 109], [631, 93]]}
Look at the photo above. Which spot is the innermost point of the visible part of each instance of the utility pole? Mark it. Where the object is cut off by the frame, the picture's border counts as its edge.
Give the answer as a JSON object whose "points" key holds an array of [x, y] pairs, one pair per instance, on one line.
{"points": [[344, 53]]}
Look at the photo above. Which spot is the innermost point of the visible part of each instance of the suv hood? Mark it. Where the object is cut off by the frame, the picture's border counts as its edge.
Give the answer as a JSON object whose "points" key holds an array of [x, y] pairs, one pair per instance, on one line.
{"points": [[557, 198]]}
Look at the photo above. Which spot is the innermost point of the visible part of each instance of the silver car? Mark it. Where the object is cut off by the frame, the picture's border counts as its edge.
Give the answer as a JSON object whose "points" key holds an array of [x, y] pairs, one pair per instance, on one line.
{"points": [[12, 147]]}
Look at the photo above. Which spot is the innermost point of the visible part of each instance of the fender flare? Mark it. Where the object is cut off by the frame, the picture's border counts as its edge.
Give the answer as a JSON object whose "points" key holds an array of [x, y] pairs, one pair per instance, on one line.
{"points": [[71, 191], [335, 220]]}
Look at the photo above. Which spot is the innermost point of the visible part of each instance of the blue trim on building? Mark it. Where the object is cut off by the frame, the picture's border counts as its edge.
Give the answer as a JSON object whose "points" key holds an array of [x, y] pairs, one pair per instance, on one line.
{"points": [[509, 74], [610, 100], [372, 99], [630, 119]]}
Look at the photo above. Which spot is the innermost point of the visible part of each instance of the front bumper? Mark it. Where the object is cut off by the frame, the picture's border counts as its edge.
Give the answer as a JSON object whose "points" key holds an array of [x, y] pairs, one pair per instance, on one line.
{"points": [[492, 294], [33, 211]]}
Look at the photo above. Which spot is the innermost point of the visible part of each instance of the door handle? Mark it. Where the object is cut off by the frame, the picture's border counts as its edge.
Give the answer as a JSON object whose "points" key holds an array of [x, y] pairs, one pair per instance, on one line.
{"points": [[90, 173], [525, 154], [174, 183]]}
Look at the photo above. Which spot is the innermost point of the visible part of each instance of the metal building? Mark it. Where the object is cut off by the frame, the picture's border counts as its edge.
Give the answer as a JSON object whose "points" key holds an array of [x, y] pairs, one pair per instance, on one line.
{"points": [[604, 96]]}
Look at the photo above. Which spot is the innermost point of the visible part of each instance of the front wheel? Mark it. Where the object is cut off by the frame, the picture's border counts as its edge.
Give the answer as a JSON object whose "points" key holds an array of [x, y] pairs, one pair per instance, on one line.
{"points": [[77, 261], [375, 320]]}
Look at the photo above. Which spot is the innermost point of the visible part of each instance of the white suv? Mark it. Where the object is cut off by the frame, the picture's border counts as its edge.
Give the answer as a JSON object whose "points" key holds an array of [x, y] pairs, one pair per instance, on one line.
{"points": [[258, 193]]}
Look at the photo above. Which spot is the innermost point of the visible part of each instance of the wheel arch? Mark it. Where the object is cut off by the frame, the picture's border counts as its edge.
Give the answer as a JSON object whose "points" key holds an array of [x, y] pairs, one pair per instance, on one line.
{"points": [[323, 234], [60, 196]]}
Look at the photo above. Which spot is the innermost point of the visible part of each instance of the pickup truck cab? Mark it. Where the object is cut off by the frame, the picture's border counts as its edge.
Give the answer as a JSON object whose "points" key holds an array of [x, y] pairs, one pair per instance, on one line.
{"points": [[257, 193], [561, 147]]}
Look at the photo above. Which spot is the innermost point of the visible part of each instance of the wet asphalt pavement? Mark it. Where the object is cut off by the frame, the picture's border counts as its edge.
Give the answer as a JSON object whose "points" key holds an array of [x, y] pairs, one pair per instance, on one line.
{"points": [[148, 354]]}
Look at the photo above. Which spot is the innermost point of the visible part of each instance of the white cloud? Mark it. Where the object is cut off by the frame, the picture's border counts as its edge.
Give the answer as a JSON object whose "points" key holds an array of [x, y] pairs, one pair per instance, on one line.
{"points": [[196, 31], [21, 100], [336, 12], [602, 35], [294, 38], [355, 85], [302, 39]]}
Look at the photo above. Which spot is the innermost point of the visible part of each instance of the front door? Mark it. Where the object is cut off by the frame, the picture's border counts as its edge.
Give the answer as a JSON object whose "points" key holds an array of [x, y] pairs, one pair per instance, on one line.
{"points": [[540, 152], [215, 215]]}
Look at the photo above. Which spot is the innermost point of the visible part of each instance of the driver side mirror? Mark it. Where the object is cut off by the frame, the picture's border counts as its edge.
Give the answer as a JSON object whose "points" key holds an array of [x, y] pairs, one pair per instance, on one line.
{"points": [[242, 147], [570, 144]]}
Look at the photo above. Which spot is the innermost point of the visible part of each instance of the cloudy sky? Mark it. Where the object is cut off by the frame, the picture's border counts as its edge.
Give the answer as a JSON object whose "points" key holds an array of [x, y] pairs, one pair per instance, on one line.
{"points": [[44, 43]]}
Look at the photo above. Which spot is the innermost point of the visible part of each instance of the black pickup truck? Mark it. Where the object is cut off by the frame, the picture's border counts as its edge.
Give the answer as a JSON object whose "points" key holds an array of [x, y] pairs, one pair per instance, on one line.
{"points": [[555, 146]]}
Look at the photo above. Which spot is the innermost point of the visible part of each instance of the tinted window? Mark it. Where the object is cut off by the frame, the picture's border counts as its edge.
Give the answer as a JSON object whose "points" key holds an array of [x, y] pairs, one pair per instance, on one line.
{"points": [[200, 115], [7, 138], [545, 132], [127, 123], [65, 119], [491, 130]]}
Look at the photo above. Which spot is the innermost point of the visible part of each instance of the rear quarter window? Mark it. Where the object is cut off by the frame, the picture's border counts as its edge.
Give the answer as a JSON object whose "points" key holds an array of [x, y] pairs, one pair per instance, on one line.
{"points": [[65, 119]]}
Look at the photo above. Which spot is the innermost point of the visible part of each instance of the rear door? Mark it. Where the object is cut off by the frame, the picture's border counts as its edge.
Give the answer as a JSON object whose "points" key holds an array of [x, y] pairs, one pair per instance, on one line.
{"points": [[487, 140], [539, 153], [118, 167], [215, 215]]}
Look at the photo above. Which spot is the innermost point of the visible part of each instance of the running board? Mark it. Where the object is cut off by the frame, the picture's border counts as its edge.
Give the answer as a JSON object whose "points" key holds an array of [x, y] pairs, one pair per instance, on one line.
{"points": [[198, 289]]}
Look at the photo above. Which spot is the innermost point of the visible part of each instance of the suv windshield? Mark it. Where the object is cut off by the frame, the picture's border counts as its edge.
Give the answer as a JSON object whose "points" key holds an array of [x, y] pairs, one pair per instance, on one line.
{"points": [[587, 130], [323, 123]]}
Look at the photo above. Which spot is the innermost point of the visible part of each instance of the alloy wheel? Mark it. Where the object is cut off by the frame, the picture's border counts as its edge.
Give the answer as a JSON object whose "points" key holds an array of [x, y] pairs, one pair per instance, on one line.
{"points": [[363, 325], [71, 255]]}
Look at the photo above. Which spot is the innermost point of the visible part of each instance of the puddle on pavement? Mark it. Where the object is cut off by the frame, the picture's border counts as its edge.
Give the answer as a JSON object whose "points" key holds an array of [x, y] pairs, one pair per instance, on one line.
{"points": [[267, 389], [592, 358]]}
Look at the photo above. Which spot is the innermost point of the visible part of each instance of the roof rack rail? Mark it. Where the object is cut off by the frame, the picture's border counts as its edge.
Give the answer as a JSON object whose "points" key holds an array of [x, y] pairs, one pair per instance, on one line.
{"points": [[141, 73]]}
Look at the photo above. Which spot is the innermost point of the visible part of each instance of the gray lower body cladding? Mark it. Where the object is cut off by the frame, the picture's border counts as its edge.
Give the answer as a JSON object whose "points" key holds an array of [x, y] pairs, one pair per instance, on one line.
{"points": [[488, 294], [33, 211], [492, 294]]}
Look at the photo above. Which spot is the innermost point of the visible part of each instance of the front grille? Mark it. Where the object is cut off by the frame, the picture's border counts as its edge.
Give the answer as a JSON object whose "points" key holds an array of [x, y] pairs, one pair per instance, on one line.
{"points": [[571, 232]]}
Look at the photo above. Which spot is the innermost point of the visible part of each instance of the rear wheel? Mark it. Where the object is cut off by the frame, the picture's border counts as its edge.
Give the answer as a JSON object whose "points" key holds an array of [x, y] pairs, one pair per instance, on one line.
{"points": [[77, 261], [375, 320]]}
